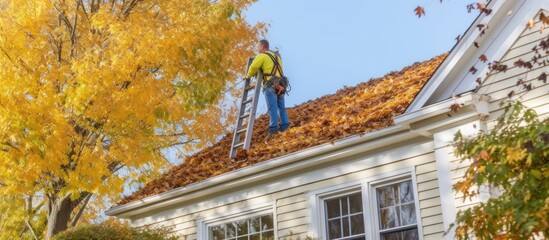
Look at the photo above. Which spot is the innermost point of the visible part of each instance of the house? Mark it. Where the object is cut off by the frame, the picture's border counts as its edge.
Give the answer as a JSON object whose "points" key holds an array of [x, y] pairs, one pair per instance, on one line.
{"points": [[374, 161]]}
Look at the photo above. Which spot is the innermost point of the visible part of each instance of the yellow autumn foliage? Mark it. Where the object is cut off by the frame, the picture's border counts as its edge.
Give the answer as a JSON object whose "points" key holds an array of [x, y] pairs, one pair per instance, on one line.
{"points": [[90, 87]]}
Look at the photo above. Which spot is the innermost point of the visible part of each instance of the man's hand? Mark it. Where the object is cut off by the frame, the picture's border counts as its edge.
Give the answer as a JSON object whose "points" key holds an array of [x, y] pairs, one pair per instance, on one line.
{"points": [[246, 79]]}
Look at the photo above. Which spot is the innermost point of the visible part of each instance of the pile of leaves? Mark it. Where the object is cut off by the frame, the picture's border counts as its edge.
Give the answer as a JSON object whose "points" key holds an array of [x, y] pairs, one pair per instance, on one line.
{"points": [[350, 111]]}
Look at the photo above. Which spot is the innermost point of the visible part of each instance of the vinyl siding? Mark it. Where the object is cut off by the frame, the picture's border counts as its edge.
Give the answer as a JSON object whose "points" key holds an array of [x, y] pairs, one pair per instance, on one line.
{"points": [[499, 85], [292, 206]]}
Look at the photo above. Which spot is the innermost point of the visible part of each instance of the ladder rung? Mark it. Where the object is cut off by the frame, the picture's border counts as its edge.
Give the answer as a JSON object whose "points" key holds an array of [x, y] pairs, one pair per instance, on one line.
{"points": [[241, 131], [238, 145], [248, 101], [245, 115], [250, 87]]}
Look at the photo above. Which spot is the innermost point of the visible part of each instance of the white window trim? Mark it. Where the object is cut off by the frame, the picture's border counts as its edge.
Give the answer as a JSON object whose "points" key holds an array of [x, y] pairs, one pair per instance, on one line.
{"points": [[370, 207], [316, 205], [367, 188], [243, 213]]}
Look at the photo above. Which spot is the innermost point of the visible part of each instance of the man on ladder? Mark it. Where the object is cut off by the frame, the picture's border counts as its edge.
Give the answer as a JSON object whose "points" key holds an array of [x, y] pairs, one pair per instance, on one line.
{"points": [[274, 86]]}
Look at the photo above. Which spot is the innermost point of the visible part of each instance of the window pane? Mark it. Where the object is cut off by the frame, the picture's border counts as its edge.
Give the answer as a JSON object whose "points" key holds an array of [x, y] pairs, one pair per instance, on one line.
{"points": [[396, 193], [242, 238], [255, 237], [357, 224], [410, 234], [218, 233], [406, 192], [385, 197], [390, 236], [332, 207], [345, 226], [408, 214], [254, 225], [334, 228], [242, 227], [267, 235], [267, 222], [387, 218], [231, 230], [356, 203], [344, 206], [358, 238]]}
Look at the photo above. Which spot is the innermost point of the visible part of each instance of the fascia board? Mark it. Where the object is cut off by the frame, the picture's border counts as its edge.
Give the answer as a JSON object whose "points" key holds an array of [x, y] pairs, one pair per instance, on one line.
{"points": [[433, 110]]}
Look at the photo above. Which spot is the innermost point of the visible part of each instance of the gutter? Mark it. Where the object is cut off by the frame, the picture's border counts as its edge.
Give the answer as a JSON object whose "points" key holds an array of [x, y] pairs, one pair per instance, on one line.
{"points": [[267, 169]]}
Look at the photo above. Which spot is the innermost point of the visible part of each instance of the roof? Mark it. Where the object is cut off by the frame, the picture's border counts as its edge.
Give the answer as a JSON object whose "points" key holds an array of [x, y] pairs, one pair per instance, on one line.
{"points": [[350, 111]]}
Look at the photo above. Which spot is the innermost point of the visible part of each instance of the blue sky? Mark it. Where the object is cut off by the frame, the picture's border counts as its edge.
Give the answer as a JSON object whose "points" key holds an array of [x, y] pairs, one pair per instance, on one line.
{"points": [[326, 45]]}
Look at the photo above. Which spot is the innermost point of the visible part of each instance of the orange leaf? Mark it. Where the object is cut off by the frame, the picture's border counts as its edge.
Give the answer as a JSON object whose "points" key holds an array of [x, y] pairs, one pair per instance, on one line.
{"points": [[531, 23], [420, 11], [483, 58]]}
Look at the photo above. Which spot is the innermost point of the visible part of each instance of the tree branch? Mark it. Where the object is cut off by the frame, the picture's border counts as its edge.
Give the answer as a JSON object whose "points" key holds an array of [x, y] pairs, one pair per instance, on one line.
{"points": [[81, 210], [73, 32], [132, 4], [27, 223]]}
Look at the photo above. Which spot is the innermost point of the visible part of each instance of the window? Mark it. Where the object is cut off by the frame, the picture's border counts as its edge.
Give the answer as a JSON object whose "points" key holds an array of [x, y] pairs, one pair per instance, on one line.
{"points": [[383, 207], [256, 222], [345, 217], [396, 211], [254, 228]]}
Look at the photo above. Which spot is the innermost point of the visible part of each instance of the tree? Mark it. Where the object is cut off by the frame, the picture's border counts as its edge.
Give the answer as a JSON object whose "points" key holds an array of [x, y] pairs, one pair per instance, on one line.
{"points": [[513, 159], [93, 90]]}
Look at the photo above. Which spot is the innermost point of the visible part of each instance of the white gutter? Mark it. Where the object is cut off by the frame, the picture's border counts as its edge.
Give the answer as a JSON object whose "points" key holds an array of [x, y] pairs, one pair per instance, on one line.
{"points": [[263, 170]]}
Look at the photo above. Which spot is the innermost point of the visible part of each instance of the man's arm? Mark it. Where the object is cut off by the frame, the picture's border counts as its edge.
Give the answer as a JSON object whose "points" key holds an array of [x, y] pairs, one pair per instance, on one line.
{"points": [[255, 66]]}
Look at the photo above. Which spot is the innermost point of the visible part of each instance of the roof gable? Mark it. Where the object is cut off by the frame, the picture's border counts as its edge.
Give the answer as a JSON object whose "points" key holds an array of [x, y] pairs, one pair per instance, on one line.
{"points": [[350, 111], [491, 35]]}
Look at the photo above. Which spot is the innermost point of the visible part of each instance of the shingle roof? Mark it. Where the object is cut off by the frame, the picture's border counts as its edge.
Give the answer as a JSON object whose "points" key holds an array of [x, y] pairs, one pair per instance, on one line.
{"points": [[350, 111]]}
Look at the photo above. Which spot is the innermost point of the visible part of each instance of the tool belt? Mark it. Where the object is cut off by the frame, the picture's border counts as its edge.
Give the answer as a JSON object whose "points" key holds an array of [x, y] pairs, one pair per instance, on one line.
{"points": [[279, 83]]}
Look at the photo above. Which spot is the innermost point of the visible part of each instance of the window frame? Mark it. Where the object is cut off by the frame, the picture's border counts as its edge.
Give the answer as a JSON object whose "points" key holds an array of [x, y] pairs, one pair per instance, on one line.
{"points": [[205, 223], [317, 215], [367, 187], [384, 180]]}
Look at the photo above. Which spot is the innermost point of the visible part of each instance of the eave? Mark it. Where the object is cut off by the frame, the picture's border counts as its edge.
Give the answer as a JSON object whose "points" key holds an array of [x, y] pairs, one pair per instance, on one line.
{"points": [[267, 170]]}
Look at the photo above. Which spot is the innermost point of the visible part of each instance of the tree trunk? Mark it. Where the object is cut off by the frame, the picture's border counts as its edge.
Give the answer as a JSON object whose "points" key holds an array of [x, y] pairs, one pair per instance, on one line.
{"points": [[59, 214]]}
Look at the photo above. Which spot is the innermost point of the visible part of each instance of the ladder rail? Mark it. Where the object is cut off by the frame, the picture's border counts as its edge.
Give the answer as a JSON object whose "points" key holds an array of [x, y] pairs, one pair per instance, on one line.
{"points": [[251, 119], [248, 116]]}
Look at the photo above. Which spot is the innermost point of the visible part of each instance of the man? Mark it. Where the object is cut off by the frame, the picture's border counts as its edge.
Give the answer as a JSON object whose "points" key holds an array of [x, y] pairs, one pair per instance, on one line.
{"points": [[265, 61]]}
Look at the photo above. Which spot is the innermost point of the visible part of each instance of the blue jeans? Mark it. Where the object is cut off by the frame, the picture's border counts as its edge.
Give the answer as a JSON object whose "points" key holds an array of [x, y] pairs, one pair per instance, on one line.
{"points": [[276, 108]]}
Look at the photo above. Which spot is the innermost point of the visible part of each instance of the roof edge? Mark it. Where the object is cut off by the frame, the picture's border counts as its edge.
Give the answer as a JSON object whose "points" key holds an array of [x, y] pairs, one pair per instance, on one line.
{"points": [[433, 110], [175, 196]]}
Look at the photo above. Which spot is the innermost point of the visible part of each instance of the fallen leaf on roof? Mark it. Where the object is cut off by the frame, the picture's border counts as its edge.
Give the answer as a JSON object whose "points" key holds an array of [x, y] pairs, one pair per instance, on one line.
{"points": [[350, 111]]}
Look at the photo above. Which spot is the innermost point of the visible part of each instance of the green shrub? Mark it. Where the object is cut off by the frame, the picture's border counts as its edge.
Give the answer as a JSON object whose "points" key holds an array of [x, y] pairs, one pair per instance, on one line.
{"points": [[113, 231]]}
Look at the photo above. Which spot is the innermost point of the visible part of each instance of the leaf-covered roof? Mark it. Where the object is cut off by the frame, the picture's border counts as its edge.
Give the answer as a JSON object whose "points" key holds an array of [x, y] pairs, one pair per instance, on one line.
{"points": [[350, 111]]}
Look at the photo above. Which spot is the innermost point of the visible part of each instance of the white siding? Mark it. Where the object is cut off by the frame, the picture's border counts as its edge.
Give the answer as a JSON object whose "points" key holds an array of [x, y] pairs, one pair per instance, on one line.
{"points": [[292, 206], [499, 85]]}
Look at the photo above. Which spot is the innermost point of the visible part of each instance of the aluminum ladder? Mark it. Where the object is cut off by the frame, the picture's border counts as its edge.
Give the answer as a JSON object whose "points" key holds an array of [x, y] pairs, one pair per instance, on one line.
{"points": [[242, 137]]}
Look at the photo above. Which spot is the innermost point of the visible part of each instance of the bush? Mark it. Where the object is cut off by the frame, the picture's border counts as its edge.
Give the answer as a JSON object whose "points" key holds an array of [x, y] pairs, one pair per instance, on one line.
{"points": [[113, 231]]}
